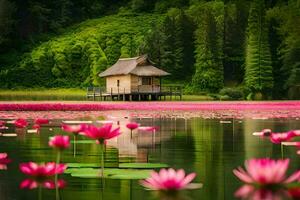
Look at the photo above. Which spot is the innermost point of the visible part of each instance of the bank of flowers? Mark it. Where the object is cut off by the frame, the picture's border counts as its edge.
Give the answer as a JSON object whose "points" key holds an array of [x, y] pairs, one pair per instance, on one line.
{"points": [[189, 106]]}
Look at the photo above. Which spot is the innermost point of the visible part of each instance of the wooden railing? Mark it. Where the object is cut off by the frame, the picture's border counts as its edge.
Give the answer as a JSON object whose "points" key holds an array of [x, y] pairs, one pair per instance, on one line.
{"points": [[146, 89], [102, 92]]}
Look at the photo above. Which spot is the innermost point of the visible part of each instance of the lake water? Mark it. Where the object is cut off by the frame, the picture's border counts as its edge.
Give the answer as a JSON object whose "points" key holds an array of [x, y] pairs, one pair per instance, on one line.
{"points": [[208, 147]]}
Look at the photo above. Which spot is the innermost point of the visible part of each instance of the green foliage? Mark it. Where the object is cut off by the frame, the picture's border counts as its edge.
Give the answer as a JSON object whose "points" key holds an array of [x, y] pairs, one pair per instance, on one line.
{"points": [[76, 57], [209, 18], [7, 9], [235, 24], [258, 74], [170, 45], [232, 93], [205, 45], [287, 19]]}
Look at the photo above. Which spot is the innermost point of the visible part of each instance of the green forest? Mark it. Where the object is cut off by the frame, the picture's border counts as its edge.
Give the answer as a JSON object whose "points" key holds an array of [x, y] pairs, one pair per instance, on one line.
{"points": [[239, 49]]}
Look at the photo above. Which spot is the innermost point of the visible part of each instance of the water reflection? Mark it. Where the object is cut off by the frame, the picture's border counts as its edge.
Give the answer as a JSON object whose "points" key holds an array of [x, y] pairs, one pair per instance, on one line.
{"points": [[48, 184], [171, 195], [249, 192], [206, 146]]}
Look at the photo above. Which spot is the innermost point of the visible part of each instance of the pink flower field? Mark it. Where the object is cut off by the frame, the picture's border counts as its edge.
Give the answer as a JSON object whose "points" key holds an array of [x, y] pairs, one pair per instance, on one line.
{"points": [[189, 106], [72, 110]]}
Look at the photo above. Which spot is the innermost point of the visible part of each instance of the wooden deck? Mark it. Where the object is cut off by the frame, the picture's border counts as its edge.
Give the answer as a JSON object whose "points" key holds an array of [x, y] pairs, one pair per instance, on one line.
{"points": [[166, 93]]}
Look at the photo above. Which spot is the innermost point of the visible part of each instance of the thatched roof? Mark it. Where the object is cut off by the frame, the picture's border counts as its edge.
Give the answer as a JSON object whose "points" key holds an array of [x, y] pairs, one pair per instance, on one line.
{"points": [[140, 66]]}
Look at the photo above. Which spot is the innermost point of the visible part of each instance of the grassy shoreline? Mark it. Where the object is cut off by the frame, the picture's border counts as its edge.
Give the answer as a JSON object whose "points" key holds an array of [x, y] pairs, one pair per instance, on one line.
{"points": [[69, 94]]}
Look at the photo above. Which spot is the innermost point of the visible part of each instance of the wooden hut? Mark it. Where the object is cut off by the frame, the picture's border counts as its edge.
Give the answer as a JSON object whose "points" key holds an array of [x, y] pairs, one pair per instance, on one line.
{"points": [[133, 76]]}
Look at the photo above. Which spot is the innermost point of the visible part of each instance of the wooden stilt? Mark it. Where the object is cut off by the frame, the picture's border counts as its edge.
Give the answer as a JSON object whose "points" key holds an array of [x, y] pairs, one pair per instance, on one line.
{"points": [[180, 93], [124, 95], [111, 94], [100, 94]]}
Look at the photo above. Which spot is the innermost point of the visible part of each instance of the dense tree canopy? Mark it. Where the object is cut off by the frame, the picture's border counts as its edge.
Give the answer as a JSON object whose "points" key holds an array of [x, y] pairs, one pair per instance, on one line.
{"points": [[206, 45], [258, 73]]}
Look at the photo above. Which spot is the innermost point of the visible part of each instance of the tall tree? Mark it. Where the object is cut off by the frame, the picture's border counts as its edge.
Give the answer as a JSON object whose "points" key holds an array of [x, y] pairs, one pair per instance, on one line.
{"points": [[235, 24], [185, 46], [209, 45], [152, 44], [7, 21], [258, 73], [168, 55], [171, 45]]}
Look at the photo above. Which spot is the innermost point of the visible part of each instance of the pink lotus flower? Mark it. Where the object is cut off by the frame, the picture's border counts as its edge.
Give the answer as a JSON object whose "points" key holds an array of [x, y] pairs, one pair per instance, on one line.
{"points": [[101, 133], [41, 121], [49, 184], [60, 142], [2, 123], [277, 138], [295, 132], [36, 126], [169, 180], [266, 171], [132, 125], [4, 160], [43, 170], [75, 129], [21, 123]]}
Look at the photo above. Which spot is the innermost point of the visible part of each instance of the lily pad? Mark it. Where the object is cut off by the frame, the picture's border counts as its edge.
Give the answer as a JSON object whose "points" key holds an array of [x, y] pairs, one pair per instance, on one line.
{"points": [[80, 170], [111, 173], [83, 165], [142, 165], [289, 143], [8, 134], [32, 131]]}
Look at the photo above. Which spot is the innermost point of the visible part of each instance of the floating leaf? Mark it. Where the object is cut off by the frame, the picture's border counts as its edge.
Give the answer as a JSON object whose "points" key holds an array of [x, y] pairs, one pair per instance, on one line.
{"points": [[142, 165], [83, 165], [290, 143], [111, 173], [193, 186], [225, 122], [8, 134], [32, 131]]}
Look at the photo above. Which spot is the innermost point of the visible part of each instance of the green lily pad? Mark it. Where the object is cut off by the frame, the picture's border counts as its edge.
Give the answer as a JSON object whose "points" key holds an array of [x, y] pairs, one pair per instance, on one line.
{"points": [[79, 170], [111, 173], [83, 165], [142, 165]]}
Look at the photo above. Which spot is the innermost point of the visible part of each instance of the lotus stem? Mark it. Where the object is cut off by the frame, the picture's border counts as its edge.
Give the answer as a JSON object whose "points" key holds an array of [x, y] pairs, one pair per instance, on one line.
{"points": [[56, 176], [102, 160], [281, 147], [40, 192], [74, 146]]}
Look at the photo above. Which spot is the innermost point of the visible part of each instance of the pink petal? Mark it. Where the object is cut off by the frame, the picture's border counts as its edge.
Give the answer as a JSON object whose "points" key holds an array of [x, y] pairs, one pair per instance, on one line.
{"points": [[188, 179], [242, 175], [295, 176], [244, 191]]}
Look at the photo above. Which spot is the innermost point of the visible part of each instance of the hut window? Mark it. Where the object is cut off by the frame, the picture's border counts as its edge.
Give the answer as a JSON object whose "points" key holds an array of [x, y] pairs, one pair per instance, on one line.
{"points": [[118, 83], [146, 81]]}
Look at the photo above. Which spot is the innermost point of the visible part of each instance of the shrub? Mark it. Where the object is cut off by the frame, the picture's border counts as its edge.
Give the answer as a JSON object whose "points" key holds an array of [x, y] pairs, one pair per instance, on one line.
{"points": [[232, 93]]}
